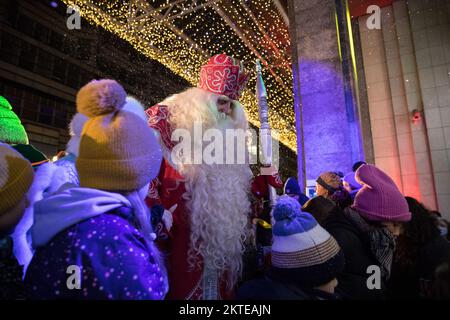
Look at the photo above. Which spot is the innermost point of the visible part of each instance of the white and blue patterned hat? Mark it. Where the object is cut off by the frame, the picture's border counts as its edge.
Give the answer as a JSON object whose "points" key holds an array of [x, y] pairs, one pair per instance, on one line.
{"points": [[302, 250]]}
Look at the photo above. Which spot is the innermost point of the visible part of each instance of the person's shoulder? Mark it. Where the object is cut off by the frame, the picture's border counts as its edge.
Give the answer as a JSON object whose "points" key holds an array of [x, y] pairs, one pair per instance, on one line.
{"points": [[437, 248], [256, 289], [268, 289], [342, 229], [337, 219], [110, 227]]}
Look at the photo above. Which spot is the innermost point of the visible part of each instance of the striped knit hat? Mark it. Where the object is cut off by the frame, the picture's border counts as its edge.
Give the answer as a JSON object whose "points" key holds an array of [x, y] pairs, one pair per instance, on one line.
{"points": [[302, 251]]}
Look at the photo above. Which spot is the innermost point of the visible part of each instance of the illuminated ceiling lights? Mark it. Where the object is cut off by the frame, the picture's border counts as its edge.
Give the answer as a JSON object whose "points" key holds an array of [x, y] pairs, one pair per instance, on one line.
{"points": [[183, 34]]}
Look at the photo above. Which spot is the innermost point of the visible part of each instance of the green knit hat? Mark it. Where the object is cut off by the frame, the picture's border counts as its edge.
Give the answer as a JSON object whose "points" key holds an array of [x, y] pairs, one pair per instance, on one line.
{"points": [[11, 129]]}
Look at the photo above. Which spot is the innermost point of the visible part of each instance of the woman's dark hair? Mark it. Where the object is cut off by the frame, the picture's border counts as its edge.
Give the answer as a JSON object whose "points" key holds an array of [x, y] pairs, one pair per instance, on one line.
{"points": [[342, 198], [421, 229], [320, 208], [423, 224]]}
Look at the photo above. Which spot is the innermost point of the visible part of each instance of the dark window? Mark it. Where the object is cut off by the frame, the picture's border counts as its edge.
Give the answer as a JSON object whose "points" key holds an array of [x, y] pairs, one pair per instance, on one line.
{"points": [[61, 114], [41, 33], [46, 111], [70, 47], [85, 77], [25, 25], [27, 56], [37, 106], [56, 40], [59, 69], [13, 95], [10, 49], [30, 103], [44, 63], [84, 49], [73, 77]]}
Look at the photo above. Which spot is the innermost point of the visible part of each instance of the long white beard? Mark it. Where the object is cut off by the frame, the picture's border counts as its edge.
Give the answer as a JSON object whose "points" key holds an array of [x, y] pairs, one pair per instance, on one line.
{"points": [[218, 201], [217, 194]]}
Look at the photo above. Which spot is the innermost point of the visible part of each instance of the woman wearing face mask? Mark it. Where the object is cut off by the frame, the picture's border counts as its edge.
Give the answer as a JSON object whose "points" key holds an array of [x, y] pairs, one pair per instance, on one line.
{"points": [[420, 249], [442, 224], [366, 233]]}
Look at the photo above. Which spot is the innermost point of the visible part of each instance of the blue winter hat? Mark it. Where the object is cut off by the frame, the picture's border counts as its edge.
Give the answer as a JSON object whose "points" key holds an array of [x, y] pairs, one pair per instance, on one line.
{"points": [[291, 186], [302, 251]]}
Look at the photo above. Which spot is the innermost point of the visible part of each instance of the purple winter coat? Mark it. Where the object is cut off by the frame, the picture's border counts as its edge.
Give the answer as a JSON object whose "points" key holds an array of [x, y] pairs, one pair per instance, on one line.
{"points": [[94, 231]]}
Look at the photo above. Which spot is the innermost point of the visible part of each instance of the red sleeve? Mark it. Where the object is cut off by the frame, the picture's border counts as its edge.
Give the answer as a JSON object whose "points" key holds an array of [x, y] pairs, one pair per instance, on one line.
{"points": [[153, 195], [158, 116], [275, 180], [153, 198]]}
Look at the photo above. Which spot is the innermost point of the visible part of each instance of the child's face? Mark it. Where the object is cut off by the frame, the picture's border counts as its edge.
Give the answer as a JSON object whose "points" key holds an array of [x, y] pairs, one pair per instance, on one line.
{"points": [[320, 191]]}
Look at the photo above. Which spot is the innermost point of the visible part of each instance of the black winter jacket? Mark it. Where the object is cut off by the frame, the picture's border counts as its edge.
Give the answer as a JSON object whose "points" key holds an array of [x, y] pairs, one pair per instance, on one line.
{"points": [[414, 281], [269, 289], [352, 283]]}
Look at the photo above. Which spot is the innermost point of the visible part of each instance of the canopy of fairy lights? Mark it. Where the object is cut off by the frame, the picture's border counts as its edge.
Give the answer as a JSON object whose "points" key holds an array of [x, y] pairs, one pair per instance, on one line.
{"points": [[183, 34]]}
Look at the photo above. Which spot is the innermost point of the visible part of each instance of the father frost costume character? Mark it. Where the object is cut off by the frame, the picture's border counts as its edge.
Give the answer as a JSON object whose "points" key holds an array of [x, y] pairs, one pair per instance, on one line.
{"points": [[204, 244]]}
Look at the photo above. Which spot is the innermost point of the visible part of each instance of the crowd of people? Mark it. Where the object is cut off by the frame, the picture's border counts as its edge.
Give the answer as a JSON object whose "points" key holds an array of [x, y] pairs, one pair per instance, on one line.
{"points": [[116, 217]]}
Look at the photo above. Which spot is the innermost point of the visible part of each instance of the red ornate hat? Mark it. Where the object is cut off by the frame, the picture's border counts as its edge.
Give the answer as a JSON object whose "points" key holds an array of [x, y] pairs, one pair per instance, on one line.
{"points": [[223, 75]]}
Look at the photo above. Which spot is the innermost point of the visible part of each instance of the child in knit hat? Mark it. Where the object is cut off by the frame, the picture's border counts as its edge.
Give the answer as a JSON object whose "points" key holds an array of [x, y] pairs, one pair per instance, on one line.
{"points": [[292, 189], [366, 233], [63, 170], [329, 185], [305, 259], [100, 231], [16, 176]]}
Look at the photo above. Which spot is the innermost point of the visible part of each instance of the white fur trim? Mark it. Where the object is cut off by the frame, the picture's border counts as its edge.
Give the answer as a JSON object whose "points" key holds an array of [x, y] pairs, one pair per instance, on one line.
{"points": [[134, 106], [73, 145], [76, 124], [43, 178]]}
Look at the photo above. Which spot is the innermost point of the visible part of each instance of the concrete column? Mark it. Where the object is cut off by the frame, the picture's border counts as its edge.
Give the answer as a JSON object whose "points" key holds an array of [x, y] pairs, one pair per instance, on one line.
{"points": [[324, 105], [363, 101]]}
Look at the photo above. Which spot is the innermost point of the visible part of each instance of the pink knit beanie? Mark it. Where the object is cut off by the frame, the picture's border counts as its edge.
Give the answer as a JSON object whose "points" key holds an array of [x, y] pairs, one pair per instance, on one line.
{"points": [[379, 199]]}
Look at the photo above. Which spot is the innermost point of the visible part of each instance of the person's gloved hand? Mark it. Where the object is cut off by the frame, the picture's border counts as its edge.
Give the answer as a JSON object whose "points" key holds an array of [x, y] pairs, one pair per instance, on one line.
{"points": [[167, 217]]}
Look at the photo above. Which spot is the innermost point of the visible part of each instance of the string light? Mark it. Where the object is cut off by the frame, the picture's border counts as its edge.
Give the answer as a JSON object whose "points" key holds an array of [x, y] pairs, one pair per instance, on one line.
{"points": [[210, 34]]}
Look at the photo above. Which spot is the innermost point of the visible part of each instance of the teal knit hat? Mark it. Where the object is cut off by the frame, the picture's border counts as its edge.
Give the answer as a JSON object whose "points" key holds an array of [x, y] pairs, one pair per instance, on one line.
{"points": [[11, 129]]}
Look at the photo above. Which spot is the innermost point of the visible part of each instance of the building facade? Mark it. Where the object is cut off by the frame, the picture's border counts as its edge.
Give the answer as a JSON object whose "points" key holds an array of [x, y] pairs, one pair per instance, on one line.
{"points": [[43, 64], [378, 82]]}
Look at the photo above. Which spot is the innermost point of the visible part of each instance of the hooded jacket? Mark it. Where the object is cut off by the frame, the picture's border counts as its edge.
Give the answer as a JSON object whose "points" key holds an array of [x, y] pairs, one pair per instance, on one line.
{"points": [[87, 247]]}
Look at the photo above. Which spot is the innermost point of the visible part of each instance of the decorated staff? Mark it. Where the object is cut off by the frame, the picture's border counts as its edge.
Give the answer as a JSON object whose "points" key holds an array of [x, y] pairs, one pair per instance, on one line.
{"points": [[264, 133], [265, 184]]}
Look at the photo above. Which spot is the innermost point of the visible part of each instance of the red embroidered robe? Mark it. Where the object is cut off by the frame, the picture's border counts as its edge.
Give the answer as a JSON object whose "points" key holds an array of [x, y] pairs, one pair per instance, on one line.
{"points": [[167, 190]]}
